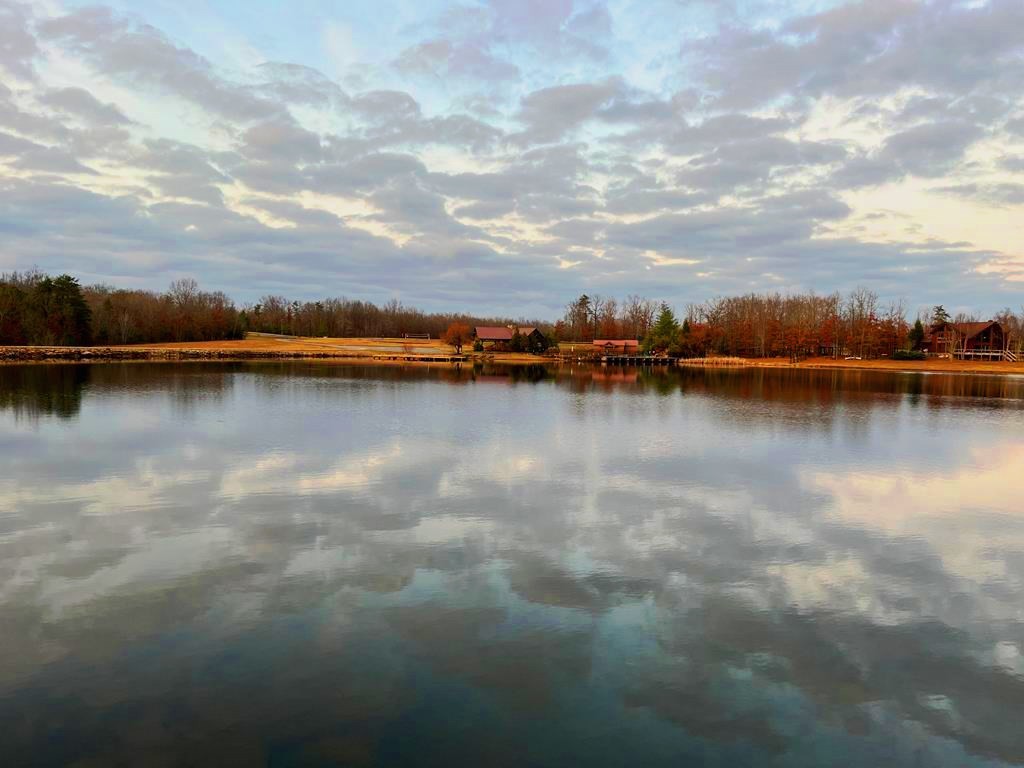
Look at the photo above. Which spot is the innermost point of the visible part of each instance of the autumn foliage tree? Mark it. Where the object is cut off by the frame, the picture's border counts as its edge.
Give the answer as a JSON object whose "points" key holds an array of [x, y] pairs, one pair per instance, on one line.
{"points": [[457, 335]]}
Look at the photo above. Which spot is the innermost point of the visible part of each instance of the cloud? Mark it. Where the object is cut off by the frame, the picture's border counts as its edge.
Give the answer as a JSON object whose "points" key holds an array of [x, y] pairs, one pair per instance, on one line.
{"points": [[444, 58], [990, 194], [82, 104], [745, 163], [928, 150], [13, 146], [299, 84], [18, 47], [684, 152], [281, 140], [550, 113], [869, 47], [141, 54]]}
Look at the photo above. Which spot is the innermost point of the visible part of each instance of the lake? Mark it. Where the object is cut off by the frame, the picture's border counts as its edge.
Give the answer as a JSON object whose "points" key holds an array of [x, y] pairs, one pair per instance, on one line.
{"points": [[314, 564]]}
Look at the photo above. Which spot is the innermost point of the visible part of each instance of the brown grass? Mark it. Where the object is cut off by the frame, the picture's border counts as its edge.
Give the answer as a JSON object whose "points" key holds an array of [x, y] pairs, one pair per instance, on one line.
{"points": [[366, 348], [261, 343], [714, 362], [932, 365]]}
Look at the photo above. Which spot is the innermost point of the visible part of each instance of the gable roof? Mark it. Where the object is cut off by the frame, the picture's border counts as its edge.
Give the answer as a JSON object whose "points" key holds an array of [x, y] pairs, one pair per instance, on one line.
{"points": [[970, 330], [493, 333], [616, 343], [967, 330], [501, 332]]}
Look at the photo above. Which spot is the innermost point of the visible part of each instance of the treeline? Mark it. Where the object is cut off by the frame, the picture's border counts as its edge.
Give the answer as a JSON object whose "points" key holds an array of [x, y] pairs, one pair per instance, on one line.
{"points": [[342, 317], [772, 325], [763, 325], [37, 309]]}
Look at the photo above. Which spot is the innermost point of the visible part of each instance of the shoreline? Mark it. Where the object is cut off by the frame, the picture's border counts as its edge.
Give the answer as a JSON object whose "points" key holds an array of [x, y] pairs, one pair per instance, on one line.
{"points": [[302, 349], [973, 367]]}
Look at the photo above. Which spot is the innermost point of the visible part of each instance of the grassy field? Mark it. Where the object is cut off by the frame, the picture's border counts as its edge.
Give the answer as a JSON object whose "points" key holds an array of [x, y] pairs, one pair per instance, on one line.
{"points": [[266, 343]]}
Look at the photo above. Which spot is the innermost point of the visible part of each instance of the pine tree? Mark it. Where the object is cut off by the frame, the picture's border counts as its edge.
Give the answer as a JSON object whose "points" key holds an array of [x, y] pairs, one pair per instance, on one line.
{"points": [[664, 334], [12, 314], [61, 314], [916, 335]]}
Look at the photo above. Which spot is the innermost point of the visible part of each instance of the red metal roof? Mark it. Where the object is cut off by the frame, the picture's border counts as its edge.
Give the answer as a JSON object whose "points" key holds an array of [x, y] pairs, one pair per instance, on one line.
{"points": [[493, 333], [616, 343], [500, 332]]}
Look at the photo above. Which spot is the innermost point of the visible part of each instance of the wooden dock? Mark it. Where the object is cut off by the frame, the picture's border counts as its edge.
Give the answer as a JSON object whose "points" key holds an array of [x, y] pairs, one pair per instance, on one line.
{"points": [[637, 360]]}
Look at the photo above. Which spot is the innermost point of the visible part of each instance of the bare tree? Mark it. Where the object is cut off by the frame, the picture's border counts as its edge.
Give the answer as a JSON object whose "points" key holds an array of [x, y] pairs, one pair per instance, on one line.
{"points": [[607, 326], [637, 316], [124, 325]]}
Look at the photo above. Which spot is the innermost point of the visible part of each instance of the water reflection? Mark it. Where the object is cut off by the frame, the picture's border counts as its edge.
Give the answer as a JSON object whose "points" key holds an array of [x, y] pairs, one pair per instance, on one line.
{"points": [[313, 564], [30, 391]]}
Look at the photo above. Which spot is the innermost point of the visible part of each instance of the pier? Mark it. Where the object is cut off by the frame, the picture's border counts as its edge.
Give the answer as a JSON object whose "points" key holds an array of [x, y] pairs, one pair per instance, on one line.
{"points": [[637, 360]]}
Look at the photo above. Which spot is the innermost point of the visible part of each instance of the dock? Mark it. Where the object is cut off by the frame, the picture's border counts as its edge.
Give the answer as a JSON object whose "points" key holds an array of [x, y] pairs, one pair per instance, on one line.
{"points": [[637, 360]]}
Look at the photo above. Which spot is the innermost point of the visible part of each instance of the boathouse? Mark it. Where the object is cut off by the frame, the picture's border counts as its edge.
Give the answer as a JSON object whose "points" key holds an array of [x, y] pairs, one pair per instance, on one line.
{"points": [[617, 346]]}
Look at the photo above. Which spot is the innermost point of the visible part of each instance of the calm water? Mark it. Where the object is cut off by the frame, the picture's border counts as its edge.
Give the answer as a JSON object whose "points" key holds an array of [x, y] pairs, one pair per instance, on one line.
{"points": [[316, 565]]}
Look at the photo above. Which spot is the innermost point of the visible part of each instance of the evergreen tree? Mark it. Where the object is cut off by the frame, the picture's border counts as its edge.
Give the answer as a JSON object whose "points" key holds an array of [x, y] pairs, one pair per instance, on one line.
{"points": [[12, 314], [666, 324], [664, 334], [579, 315], [916, 335], [61, 315], [939, 315]]}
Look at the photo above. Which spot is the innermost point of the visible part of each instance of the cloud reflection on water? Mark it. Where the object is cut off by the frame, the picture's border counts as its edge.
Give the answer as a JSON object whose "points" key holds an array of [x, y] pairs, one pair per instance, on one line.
{"points": [[751, 566]]}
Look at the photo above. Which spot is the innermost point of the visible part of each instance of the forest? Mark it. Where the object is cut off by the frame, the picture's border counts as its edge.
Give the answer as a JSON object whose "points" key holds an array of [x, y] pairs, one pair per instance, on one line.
{"points": [[765, 325], [38, 309]]}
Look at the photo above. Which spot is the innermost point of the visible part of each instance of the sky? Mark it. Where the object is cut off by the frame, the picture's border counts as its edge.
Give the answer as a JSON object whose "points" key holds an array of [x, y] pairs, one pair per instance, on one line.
{"points": [[504, 156]]}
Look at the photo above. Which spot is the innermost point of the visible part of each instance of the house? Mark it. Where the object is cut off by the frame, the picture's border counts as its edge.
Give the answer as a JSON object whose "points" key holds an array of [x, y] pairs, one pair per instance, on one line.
{"points": [[502, 335], [966, 340], [617, 346], [493, 333]]}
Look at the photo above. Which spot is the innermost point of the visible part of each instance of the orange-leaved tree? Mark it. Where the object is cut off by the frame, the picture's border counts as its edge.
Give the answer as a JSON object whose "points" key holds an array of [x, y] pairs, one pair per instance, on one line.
{"points": [[457, 335]]}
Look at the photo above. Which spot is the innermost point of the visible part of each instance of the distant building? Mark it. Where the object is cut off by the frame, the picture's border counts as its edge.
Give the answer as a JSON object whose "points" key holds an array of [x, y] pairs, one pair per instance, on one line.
{"points": [[617, 346], [502, 334], [983, 339]]}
